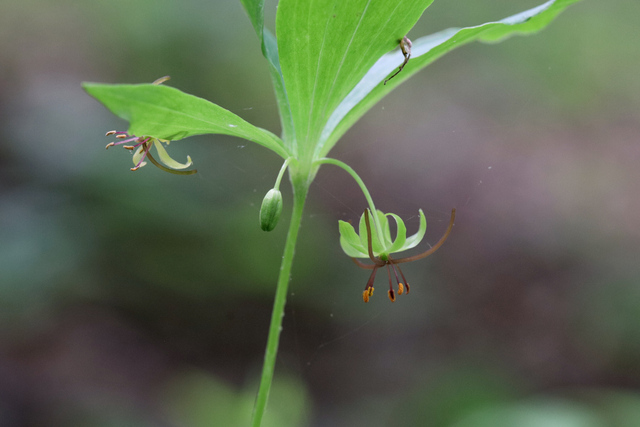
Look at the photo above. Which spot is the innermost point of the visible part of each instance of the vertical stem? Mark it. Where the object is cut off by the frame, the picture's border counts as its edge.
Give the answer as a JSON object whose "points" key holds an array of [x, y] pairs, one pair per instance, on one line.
{"points": [[299, 195]]}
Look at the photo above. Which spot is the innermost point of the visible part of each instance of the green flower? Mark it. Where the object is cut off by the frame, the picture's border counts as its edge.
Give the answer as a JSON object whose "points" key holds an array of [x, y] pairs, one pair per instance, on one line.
{"points": [[142, 145], [377, 245]]}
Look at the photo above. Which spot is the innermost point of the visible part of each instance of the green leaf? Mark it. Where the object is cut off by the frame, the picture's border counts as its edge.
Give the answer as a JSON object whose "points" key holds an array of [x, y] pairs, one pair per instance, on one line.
{"points": [[327, 46], [166, 113], [269, 46], [425, 50]]}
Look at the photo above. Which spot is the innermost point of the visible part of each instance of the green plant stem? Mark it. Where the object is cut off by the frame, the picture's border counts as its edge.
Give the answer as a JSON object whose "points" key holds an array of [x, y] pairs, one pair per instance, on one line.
{"points": [[356, 177], [300, 189]]}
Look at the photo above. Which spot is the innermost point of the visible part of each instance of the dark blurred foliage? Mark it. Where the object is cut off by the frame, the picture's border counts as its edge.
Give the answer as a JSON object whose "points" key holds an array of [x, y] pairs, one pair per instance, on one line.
{"points": [[143, 299]]}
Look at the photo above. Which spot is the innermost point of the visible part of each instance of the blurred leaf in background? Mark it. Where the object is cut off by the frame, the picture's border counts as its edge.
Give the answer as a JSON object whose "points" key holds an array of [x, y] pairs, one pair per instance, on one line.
{"points": [[197, 400]]}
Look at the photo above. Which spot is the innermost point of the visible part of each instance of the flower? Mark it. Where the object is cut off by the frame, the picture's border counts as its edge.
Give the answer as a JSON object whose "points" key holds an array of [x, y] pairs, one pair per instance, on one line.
{"points": [[377, 245], [142, 145]]}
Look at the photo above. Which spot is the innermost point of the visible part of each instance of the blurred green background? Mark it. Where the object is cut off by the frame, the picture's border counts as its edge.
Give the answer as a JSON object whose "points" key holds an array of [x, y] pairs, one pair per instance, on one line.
{"points": [[143, 299]]}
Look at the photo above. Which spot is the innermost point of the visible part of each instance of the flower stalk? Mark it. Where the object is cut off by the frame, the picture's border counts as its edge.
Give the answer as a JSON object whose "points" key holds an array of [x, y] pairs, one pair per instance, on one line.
{"points": [[359, 181]]}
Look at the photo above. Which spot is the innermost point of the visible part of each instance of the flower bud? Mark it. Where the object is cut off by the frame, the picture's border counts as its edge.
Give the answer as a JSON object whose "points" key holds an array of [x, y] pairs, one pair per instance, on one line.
{"points": [[270, 210]]}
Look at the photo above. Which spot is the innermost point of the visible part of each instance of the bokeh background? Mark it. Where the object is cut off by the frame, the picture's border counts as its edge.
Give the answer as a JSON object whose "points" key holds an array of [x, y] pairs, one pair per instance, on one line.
{"points": [[143, 299]]}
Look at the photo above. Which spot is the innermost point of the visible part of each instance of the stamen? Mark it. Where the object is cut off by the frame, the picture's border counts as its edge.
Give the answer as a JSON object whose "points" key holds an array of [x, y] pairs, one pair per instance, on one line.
{"points": [[146, 150], [400, 287], [392, 294], [367, 294], [111, 132], [112, 144], [404, 280], [139, 141], [371, 278], [121, 136], [368, 290]]}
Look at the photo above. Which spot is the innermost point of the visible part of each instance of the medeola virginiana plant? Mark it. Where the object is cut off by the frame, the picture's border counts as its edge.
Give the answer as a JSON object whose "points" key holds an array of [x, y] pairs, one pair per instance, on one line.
{"points": [[330, 62]]}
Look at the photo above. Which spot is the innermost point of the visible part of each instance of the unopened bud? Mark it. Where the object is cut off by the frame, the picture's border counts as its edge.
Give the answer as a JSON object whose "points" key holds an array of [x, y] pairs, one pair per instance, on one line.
{"points": [[270, 210]]}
